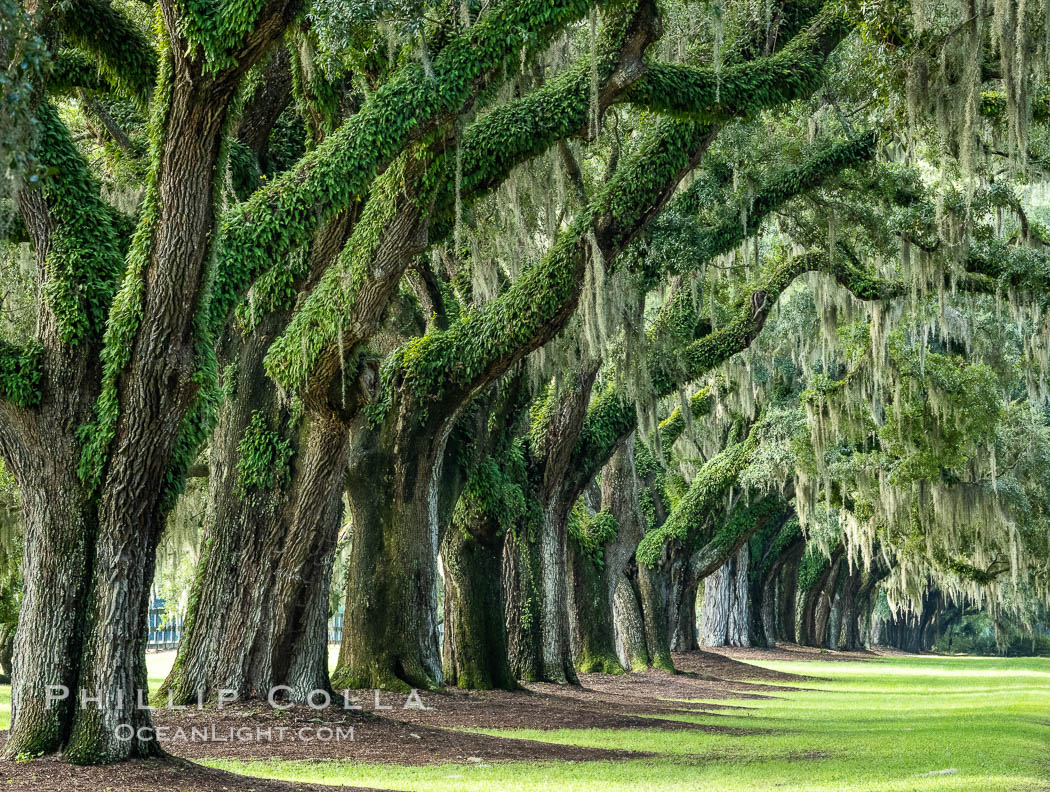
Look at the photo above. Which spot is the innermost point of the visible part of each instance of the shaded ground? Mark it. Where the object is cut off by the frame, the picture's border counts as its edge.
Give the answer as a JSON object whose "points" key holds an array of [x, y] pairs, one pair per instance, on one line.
{"points": [[421, 737], [144, 775]]}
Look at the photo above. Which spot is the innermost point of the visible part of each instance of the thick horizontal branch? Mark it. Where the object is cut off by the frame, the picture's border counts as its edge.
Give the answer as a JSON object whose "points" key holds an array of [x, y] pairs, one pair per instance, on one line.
{"points": [[741, 90], [745, 521], [561, 108], [703, 356], [616, 417], [729, 229], [340, 170], [451, 365], [124, 55], [705, 497], [672, 427], [490, 148]]}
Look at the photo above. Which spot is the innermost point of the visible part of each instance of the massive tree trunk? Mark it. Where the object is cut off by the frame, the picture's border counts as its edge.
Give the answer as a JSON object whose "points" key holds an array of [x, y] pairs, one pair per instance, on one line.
{"points": [[259, 604], [684, 638], [522, 600], [607, 642], [815, 597], [390, 637], [786, 587], [59, 536], [620, 498], [152, 382], [823, 608], [653, 586], [629, 623], [725, 619], [591, 613], [766, 588], [474, 651], [555, 648], [848, 638], [559, 487], [42, 449], [259, 611]]}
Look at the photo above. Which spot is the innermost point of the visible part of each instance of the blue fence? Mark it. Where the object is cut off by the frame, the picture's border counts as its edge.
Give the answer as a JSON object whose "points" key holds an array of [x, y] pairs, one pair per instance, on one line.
{"points": [[335, 628], [165, 629]]}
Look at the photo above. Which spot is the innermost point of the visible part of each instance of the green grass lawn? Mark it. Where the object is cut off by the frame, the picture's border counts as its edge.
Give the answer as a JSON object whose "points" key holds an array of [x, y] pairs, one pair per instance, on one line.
{"points": [[879, 725]]}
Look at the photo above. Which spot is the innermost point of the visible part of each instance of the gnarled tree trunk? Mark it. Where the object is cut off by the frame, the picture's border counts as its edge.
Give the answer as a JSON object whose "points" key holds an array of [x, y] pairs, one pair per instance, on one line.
{"points": [[474, 651], [725, 613], [259, 610], [390, 637]]}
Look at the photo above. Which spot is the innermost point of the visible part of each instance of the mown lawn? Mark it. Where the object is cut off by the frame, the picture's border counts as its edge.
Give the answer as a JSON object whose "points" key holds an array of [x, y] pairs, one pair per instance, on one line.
{"points": [[900, 724]]}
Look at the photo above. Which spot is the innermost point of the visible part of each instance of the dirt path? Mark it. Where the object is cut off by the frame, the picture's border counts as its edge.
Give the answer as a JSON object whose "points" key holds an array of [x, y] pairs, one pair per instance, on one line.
{"points": [[413, 736]]}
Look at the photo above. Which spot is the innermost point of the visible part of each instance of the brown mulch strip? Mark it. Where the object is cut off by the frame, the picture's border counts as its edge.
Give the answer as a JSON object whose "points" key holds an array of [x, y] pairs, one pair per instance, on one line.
{"points": [[376, 739], [142, 775], [606, 702]]}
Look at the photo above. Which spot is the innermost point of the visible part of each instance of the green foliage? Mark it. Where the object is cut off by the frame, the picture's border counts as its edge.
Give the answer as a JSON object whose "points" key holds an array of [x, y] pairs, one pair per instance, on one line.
{"points": [[708, 488], [218, 31], [730, 222], [493, 494], [744, 521], [244, 170], [84, 257], [19, 78], [750, 313], [21, 372], [317, 326], [264, 455], [592, 532], [126, 311], [765, 551], [445, 364], [672, 427], [712, 96], [813, 565], [124, 54], [610, 418], [915, 433], [72, 69]]}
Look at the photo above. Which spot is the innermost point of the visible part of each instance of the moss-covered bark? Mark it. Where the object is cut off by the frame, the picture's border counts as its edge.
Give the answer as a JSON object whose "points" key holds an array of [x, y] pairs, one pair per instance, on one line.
{"points": [[474, 651], [770, 548]]}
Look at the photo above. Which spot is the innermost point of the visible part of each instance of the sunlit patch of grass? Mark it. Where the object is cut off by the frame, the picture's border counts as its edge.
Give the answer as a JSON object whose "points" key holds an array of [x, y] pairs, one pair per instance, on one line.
{"points": [[898, 724]]}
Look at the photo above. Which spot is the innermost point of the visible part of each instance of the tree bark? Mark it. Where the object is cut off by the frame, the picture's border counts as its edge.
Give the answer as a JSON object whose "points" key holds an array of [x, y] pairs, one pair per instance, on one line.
{"points": [[259, 605], [474, 652], [259, 612], [630, 626], [849, 632], [59, 533], [652, 587], [522, 601], [608, 644], [591, 614], [725, 619], [390, 638], [786, 589], [154, 389]]}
